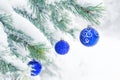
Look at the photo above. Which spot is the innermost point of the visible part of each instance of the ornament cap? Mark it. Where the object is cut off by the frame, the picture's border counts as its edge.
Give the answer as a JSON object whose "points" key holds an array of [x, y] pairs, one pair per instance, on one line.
{"points": [[89, 26], [61, 38]]}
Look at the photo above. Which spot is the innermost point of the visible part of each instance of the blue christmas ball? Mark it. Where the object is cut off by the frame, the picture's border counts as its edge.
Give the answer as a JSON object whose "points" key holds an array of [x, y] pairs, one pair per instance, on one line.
{"points": [[36, 67], [62, 47], [89, 36]]}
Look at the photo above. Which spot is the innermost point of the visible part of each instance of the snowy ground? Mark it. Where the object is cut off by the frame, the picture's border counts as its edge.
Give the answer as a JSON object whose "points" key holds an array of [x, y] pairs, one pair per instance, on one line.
{"points": [[101, 62]]}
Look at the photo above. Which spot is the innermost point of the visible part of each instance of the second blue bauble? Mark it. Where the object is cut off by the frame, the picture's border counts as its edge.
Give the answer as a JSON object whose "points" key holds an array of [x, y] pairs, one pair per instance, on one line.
{"points": [[36, 67], [89, 36], [62, 47]]}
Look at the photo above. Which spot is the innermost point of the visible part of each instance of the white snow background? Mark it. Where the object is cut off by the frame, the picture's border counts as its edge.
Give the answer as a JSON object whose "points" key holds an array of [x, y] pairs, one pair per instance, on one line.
{"points": [[100, 62]]}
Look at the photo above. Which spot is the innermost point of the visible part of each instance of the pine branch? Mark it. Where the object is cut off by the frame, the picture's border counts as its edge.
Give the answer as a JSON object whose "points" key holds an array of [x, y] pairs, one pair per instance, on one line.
{"points": [[15, 35], [9, 76], [37, 51], [89, 13], [43, 28], [6, 20], [59, 19], [52, 13], [40, 9], [55, 13], [7, 67], [21, 38]]}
